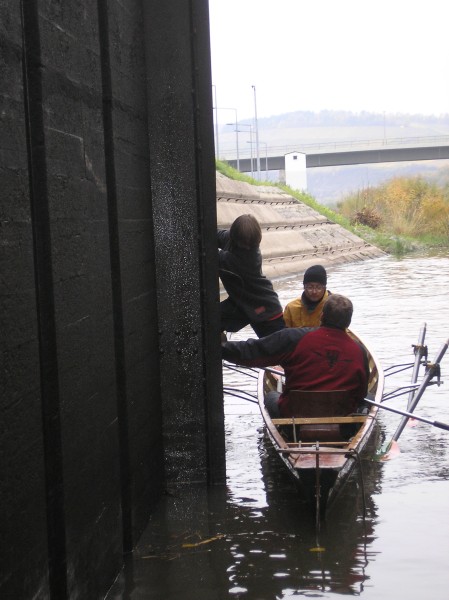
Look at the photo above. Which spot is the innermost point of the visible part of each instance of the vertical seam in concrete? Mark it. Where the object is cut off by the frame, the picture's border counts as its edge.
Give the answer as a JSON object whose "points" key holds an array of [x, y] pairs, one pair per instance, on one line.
{"points": [[117, 300], [40, 218], [200, 219], [215, 460]]}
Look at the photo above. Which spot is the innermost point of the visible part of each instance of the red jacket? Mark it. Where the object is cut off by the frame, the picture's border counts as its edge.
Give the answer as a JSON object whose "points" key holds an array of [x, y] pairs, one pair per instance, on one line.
{"points": [[313, 359]]}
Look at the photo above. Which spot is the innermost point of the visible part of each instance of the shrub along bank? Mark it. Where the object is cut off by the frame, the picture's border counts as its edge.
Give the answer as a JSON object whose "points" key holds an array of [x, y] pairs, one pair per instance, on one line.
{"points": [[400, 216], [406, 208]]}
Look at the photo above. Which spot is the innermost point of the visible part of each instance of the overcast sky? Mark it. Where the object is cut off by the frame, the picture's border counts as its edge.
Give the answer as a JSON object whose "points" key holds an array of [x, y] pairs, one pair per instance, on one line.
{"points": [[357, 55]]}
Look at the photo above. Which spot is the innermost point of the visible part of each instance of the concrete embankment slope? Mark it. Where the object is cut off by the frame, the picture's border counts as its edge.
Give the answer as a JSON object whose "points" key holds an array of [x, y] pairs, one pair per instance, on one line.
{"points": [[294, 235]]}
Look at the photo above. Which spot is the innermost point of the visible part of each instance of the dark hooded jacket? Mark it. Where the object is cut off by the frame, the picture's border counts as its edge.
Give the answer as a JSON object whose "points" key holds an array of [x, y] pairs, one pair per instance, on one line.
{"points": [[241, 274]]}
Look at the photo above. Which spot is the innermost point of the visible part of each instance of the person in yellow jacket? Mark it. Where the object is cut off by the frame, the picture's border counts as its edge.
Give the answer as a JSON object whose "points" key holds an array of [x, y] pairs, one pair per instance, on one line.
{"points": [[306, 310]]}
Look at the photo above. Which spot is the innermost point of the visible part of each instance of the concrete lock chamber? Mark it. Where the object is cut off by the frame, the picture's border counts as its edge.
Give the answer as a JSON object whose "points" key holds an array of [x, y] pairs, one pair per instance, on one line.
{"points": [[109, 288]]}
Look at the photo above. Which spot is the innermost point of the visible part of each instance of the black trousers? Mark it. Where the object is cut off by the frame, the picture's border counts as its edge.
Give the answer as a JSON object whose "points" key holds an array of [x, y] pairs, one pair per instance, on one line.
{"points": [[271, 404], [233, 319]]}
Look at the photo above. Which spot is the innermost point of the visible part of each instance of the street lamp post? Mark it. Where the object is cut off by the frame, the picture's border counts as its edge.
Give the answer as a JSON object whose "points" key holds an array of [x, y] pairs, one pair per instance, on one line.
{"points": [[250, 142], [266, 158], [257, 133], [236, 134], [217, 151], [237, 131], [217, 108], [237, 141]]}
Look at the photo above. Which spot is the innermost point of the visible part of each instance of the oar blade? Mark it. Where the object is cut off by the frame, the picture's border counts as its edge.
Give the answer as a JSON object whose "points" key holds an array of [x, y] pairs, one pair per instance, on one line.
{"points": [[393, 451], [387, 451]]}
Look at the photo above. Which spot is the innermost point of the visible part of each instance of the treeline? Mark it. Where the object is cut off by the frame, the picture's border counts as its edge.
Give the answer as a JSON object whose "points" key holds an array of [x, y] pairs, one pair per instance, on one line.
{"points": [[332, 118]]}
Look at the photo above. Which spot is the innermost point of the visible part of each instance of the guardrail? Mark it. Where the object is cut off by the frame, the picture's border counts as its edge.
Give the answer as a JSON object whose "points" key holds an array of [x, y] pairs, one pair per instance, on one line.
{"points": [[323, 147]]}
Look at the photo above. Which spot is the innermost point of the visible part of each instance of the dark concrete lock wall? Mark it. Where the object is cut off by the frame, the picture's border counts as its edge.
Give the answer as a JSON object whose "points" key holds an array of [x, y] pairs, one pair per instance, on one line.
{"points": [[108, 287]]}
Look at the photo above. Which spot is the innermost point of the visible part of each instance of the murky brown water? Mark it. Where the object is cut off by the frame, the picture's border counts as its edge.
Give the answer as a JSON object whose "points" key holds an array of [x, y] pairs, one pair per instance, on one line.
{"points": [[255, 540]]}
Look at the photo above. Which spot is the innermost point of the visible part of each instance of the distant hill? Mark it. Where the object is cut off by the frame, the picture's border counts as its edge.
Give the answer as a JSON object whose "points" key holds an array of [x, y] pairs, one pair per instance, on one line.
{"points": [[303, 128], [342, 118]]}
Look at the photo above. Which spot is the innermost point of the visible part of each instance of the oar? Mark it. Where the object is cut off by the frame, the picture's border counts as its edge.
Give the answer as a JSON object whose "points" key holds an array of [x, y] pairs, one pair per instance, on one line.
{"points": [[241, 369], [432, 369], [240, 394], [420, 351], [274, 371], [409, 415]]}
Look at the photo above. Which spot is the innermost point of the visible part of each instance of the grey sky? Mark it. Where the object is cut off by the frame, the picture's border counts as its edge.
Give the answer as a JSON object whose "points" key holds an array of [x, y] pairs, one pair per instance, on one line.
{"points": [[357, 55]]}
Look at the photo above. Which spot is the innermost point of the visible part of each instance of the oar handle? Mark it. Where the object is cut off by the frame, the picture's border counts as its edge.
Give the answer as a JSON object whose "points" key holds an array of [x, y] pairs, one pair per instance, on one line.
{"points": [[441, 425], [274, 371], [408, 415]]}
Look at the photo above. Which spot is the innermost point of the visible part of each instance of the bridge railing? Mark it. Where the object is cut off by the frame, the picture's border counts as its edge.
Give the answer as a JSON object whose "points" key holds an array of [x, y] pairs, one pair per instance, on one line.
{"points": [[323, 147]]}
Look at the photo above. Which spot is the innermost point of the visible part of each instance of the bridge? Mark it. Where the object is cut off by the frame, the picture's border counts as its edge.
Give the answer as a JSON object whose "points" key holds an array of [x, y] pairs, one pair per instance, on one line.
{"points": [[354, 152]]}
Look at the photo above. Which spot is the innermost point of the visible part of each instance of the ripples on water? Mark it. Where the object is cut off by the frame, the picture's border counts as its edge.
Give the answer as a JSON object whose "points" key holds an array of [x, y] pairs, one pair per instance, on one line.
{"points": [[407, 525], [256, 535]]}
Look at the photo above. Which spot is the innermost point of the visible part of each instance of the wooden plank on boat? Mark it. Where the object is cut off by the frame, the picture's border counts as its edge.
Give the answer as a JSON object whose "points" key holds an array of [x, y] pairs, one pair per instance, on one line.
{"points": [[318, 420]]}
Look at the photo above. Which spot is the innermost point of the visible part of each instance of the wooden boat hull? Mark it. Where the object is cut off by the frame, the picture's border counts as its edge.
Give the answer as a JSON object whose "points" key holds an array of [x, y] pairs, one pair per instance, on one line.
{"points": [[321, 466]]}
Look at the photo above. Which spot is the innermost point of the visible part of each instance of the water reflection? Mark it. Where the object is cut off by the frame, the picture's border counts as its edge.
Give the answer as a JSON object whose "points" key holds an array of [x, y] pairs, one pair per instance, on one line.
{"points": [[255, 539], [207, 545]]}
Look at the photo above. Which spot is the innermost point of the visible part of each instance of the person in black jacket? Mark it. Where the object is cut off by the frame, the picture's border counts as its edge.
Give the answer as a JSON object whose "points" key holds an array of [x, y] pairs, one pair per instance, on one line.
{"points": [[252, 299]]}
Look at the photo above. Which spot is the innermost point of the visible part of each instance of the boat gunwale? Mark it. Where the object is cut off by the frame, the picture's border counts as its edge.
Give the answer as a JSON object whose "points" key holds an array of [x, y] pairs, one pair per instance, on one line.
{"points": [[302, 456]]}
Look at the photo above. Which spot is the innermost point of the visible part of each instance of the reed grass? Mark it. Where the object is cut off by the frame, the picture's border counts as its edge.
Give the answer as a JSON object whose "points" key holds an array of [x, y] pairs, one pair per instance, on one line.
{"points": [[410, 209]]}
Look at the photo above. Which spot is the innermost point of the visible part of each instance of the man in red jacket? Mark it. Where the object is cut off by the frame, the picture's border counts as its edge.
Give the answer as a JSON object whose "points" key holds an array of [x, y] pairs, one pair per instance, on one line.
{"points": [[323, 358]]}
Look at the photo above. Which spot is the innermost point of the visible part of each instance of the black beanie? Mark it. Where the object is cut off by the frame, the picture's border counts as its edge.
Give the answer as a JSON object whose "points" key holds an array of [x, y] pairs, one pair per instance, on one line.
{"points": [[315, 274]]}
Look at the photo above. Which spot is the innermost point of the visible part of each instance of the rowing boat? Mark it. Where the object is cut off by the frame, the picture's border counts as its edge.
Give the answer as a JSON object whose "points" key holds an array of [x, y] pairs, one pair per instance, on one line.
{"points": [[322, 442]]}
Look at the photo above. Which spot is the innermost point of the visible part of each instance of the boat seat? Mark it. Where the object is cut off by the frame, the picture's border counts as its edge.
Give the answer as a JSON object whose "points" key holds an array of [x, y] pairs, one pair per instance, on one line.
{"points": [[320, 403], [331, 412]]}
